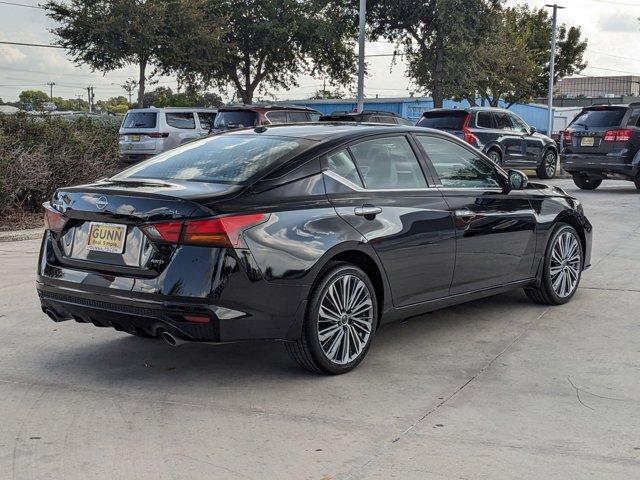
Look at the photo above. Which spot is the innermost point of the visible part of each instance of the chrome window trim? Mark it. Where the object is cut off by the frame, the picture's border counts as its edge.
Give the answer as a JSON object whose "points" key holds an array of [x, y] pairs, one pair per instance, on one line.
{"points": [[358, 188]]}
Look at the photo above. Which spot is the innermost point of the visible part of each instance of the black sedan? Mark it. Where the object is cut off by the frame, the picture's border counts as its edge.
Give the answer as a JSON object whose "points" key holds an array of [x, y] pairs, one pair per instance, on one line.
{"points": [[311, 234]]}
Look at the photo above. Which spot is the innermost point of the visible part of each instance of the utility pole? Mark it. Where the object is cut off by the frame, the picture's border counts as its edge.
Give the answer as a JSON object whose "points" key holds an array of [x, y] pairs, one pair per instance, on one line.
{"points": [[552, 63], [90, 97], [51, 84], [363, 19]]}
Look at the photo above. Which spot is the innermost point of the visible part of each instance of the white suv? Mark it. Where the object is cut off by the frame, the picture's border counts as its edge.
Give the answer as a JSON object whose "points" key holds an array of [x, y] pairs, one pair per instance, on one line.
{"points": [[148, 131]]}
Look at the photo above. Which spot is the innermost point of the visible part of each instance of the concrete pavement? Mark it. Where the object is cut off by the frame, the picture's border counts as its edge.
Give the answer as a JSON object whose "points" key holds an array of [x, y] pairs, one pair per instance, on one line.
{"points": [[498, 389]]}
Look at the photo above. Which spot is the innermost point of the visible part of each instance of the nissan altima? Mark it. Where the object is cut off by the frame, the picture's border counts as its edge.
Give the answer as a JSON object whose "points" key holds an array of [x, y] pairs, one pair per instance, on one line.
{"points": [[313, 235]]}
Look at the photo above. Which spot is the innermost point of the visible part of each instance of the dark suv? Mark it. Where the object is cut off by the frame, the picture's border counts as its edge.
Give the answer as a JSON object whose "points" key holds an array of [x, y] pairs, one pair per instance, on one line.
{"points": [[500, 134], [241, 116], [603, 142], [367, 116]]}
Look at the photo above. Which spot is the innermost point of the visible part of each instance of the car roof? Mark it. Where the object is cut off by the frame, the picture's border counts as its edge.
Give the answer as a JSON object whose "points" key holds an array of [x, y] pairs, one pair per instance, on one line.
{"points": [[319, 132], [172, 109], [259, 107], [468, 109]]}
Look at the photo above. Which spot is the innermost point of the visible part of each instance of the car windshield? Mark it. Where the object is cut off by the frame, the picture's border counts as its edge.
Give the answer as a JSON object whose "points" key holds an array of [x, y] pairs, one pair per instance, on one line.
{"points": [[611, 117], [448, 120], [235, 119], [217, 159], [140, 120]]}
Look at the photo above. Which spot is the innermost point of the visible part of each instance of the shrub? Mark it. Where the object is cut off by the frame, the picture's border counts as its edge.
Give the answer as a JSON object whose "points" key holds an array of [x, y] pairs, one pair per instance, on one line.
{"points": [[39, 154]]}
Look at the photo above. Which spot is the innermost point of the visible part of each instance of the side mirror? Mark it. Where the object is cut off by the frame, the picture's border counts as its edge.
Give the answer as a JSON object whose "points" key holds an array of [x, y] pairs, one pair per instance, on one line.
{"points": [[532, 130], [517, 180]]}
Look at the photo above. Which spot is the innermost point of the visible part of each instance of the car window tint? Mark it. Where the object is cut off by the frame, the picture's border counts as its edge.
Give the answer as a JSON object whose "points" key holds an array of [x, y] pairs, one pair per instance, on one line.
{"points": [[484, 120], [140, 120], [503, 121], [457, 166], [314, 116], [391, 120], [403, 121], [206, 119], [180, 120], [298, 117], [388, 163], [518, 124], [342, 164], [602, 118], [443, 119], [277, 117]]}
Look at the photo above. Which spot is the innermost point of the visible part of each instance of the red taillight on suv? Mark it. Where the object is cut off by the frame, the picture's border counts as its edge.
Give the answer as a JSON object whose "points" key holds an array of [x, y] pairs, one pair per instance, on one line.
{"points": [[469, 137], [215, 232], [621, 135], [567, 136], [53, 219]]}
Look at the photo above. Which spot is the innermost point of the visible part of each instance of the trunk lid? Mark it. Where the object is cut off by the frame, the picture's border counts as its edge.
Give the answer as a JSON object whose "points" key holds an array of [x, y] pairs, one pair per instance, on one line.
{"points": [[589, 128]]}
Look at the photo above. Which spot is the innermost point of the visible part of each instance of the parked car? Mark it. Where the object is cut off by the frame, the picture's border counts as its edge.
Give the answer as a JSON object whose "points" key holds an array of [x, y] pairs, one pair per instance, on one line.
{"points": [[367, 116], [500, 134], [243, 116], [148, 131], [311, 234], [603, 142]]}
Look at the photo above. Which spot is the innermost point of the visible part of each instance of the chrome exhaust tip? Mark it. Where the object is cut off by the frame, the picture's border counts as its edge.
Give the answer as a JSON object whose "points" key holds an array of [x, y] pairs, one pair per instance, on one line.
{"points": [[172, 339], [51, 314]]}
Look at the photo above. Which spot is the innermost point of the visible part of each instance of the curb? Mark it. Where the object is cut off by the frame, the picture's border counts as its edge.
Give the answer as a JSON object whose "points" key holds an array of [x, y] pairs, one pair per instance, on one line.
{"points": [[19, 235]]}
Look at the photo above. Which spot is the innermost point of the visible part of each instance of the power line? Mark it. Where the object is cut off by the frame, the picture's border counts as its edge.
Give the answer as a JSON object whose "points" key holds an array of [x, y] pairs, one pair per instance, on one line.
{"points": [[22, 5], [614, 56], [617, 3], [31, 44]]}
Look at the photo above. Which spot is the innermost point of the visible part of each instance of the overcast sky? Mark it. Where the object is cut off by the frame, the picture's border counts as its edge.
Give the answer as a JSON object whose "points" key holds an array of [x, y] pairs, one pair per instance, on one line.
{"points": [[611, 26]]}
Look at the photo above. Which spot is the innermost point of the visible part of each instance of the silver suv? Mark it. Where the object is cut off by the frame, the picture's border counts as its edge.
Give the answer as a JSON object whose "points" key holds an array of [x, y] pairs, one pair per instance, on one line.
{"points": [[148, 131]]}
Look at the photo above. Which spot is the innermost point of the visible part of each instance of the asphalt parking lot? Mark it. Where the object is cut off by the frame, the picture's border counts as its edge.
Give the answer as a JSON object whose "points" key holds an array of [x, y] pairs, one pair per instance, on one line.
{"points": [[498, 388]]}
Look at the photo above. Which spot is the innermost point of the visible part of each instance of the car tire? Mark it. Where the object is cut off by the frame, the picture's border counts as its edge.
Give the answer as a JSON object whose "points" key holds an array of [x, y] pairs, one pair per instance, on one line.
{"points": [[334, 340], [562, 268], [636, 181], [549, 165], [494, 156], [585, 183]]}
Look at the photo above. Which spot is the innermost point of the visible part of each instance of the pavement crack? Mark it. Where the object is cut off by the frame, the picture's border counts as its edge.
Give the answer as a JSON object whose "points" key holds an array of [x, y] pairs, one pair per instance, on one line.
{"points": [[587, 392], [578, 395], [444, 401]]}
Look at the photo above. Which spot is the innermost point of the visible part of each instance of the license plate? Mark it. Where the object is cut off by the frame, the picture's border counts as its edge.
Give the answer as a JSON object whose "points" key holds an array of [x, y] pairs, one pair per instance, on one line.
{"points": [[106, 237], [587, 142], [134, 138]]}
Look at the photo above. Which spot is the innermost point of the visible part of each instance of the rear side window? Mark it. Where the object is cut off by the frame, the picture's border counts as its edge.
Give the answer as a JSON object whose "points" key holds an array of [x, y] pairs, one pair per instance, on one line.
{"points": [[140, 120], [447, 120], [484, 120], [235, 119], [456, 166], [181, 120], [220, 158], [341, 163], [298, 117], [610, 117], [388, 163], [314, 116], [206, 119], [277, 118]]}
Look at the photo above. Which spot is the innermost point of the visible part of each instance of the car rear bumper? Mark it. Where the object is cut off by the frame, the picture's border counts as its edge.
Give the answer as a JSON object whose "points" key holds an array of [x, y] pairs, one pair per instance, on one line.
{"points": [[134, 157], [599, 165], [226, 287]]}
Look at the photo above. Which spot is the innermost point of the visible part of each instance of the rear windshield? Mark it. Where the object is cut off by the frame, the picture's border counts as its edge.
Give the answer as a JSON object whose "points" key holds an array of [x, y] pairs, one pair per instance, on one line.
{"points": [[235, 119], [451, 120], [217, 159], [140, 120], [611, 117]]}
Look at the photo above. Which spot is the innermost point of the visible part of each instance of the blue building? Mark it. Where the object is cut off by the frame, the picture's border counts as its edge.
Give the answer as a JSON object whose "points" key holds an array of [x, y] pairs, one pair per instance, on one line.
{"points": [[412, 108]]}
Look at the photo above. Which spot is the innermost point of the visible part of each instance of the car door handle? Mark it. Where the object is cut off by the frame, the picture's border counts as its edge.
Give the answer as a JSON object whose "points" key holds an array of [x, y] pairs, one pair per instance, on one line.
{"points": [[367, 211], [465, 214]]}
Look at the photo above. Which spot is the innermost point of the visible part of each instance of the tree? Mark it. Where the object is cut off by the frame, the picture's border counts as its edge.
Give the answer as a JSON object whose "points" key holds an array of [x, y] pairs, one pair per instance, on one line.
{"points": [[117, 104], [109, 34], [70, 104], [191, 97], [433, 35], [264, 43], [327, 94], [34, 97]]}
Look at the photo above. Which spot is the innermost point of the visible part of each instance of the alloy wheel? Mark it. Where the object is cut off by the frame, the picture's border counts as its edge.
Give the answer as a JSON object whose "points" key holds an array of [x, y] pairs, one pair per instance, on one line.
{"points": [[550, 164], [345, 319], [565, 264]]}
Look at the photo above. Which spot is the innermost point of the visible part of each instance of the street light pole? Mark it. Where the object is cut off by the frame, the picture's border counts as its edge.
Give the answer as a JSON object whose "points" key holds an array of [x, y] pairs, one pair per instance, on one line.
{"points": [[552, 64], [363, 16]]}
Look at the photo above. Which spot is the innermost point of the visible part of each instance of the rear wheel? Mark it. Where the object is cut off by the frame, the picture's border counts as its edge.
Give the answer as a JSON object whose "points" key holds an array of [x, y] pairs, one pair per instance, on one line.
{"points": [[586, 183], [549, 165], [340, 322], [495, 157], [562, 268]]}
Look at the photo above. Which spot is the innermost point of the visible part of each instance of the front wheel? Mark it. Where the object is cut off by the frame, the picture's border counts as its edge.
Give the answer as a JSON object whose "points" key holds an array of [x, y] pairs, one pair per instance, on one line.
{"points": [[586, 183], [562, 268], [340, 322], [637, 182], [547, 169]]}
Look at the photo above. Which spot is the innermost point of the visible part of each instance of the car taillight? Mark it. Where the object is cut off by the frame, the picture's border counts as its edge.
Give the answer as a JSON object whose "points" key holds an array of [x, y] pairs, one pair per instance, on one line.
{"points": [[166, 232], [621, 135], [53, 219], [567, 136], [469, 137], [221, 231], [157, 135]]}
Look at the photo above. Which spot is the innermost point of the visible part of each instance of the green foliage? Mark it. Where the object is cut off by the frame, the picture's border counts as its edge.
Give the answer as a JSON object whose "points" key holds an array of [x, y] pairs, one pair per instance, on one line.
{"points": [[264, 43], [192, 97], [327, 94], [71, 104], [34, 97], [41, 153], [117, 105]]}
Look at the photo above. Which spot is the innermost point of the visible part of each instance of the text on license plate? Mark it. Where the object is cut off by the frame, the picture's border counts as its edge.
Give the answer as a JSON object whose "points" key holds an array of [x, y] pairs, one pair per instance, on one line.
{"points": [[587, 142], [106, 237], [134, 138]]}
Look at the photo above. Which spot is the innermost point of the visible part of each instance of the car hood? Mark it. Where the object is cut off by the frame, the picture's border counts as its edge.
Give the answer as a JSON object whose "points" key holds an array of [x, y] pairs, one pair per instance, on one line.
{"points": [[547, 190]]}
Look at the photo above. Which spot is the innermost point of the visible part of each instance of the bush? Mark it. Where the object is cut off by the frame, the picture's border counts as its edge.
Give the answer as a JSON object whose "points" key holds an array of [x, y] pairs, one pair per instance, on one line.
{"points": [[40, 154]]}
